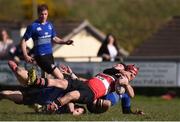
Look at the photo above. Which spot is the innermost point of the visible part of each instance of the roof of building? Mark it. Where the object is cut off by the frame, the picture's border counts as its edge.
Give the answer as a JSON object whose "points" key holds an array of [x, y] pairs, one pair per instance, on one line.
{"points": [[65, 28], [165, 42], [68, 29]]}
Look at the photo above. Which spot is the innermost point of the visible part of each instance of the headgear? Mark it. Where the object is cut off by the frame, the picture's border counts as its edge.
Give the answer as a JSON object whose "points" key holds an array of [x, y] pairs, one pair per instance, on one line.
{"points": [[132, 67]]}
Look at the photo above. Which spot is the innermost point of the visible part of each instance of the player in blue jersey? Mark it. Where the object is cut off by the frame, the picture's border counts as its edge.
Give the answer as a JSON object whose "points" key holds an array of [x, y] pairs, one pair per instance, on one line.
{"points": [[43, 34]]}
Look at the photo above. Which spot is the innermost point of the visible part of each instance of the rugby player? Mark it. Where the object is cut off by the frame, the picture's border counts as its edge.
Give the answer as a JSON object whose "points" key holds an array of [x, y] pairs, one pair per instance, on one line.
{"points": [[104, 103], [43, 34], [40, 97]]}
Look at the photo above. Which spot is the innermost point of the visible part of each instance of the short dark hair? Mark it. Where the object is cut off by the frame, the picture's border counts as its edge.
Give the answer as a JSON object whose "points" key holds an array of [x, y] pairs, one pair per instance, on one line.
{"points": [[41, 8], [96, 108], [110, 71]]}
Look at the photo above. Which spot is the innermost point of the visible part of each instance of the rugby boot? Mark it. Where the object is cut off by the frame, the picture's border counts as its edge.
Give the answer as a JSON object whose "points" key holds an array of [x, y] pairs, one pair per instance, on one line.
{"points": [[32, 76]]}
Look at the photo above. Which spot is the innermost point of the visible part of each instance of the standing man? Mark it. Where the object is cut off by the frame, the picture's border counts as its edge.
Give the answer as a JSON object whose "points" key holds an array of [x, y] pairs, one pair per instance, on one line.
{"points": [[42, 32]]}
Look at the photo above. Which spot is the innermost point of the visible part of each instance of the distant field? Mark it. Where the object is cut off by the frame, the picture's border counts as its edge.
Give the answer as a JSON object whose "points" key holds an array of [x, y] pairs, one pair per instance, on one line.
{"points": [[154, 107]]}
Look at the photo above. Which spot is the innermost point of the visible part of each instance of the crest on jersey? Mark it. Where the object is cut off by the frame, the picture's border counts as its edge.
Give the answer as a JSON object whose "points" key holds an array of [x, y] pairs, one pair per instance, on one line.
{"points": [[46, 33], [39, 28], [49, 27]]}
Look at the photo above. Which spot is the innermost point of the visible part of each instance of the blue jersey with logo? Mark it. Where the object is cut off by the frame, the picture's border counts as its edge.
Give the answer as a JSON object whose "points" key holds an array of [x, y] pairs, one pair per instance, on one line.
{"points": [[115, 98], [42, 35]]}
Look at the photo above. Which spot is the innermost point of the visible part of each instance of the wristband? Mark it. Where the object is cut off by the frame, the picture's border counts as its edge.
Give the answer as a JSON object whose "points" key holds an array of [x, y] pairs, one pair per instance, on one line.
{"points": [[73, 76]]}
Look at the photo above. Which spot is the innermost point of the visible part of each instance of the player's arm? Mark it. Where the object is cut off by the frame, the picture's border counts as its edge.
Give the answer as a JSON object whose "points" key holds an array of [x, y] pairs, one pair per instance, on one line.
{"points": [[68, 71], [57, 40], [125, 82], [130, 90]]}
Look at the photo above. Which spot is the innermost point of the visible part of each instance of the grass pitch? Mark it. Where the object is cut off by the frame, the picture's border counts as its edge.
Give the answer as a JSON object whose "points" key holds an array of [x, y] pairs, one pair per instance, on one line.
{"points": [[154, 107]]}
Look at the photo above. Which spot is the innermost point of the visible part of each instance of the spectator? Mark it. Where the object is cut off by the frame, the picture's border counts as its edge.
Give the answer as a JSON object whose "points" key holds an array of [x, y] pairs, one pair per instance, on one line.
{"points": [[109, 50], [5, 44]]}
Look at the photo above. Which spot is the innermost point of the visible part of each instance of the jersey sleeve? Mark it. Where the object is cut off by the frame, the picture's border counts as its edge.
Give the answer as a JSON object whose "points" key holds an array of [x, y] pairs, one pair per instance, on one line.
{"points": [[113, 97], [28, 33]]}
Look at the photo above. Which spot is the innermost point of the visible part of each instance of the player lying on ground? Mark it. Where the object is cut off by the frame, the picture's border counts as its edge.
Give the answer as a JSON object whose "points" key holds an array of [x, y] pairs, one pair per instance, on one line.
{"points": [[104, 103], [94, 88], [99, 86], [44, 96], [47, 95], [29, 96]]}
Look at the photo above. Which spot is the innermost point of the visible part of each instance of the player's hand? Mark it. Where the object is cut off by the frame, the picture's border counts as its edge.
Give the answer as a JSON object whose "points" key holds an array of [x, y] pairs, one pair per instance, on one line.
{"points": [[138, 112], [65, 69], [69, 42], [52, 107], [28, 59], [123, 80]]}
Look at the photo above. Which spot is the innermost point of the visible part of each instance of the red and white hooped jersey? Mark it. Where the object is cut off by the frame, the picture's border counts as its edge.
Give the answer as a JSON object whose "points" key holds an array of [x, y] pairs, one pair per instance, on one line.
{"points": [[100, 84]]}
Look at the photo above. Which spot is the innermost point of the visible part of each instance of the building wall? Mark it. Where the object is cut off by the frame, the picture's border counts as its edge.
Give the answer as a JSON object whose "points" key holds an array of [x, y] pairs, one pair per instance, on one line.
{"points": [[85, 45]]}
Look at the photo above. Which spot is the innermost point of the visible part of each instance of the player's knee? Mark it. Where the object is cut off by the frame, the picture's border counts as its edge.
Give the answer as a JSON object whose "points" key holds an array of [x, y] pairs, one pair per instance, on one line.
{"points": [[74, 95], [7, 93], [108, 103], [57, 73], [60, 83]]}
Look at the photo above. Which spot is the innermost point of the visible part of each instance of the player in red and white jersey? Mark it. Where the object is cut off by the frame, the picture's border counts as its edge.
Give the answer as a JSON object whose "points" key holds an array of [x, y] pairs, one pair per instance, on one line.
{"points": [[101, 84]]}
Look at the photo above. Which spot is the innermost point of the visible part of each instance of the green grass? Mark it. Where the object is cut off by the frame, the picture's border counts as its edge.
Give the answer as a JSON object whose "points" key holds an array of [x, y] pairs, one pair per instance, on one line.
{"points": [[154, 107]]}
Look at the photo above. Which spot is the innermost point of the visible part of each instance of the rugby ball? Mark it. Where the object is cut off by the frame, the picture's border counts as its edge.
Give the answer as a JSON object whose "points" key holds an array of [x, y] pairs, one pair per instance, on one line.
{"points": [[119, 89]]}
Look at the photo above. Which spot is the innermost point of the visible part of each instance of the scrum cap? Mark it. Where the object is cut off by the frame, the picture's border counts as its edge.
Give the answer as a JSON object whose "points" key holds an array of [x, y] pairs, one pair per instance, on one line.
{"points": [[132, 67]]}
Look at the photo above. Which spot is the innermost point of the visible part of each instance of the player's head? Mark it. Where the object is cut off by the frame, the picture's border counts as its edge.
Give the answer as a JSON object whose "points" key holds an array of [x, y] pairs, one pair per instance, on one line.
{"points": [[96, 107], [132, 69], [42, 12]]}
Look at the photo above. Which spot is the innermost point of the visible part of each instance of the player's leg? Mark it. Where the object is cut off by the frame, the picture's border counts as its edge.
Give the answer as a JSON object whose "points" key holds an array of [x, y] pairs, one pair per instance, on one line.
{"points": [[20, 73], [30, 78], [68, 97], [15, 96], [44, 82], [79, 92], [57, 73], [61, 101], [46, 63]]}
